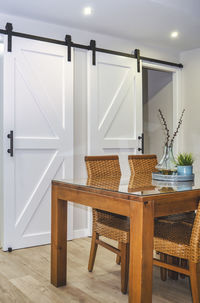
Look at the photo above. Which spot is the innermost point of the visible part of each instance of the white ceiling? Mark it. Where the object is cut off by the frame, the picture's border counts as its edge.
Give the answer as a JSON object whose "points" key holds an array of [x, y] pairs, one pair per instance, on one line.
{"points": [[148, 21]]}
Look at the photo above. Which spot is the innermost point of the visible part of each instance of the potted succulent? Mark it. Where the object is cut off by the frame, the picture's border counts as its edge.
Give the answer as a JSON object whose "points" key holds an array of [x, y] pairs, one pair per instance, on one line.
{"points": [[184, 163]]}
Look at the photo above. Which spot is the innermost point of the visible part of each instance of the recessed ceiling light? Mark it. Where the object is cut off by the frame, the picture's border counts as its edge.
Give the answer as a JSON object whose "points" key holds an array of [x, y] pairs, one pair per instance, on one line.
{"points": [[87, 11], [174, 34]]}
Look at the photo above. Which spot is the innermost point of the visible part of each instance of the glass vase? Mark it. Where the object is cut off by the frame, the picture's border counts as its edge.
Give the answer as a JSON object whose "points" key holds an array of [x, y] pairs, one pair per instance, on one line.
{"points": [[167, 164]]}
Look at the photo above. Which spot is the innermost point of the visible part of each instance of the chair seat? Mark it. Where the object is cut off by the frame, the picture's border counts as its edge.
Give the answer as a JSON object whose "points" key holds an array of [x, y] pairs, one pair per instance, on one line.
{"points": [[187, 218], [173, 239], [114, 228], [105, 215]]}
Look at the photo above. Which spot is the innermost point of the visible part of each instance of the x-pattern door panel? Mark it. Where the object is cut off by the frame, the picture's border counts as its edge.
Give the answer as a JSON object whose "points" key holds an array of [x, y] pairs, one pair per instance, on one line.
{"points": [[114, 104], [39, 109], [114, 108]]}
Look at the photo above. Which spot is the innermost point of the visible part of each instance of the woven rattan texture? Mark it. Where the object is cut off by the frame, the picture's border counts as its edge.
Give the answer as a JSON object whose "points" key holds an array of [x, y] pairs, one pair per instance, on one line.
{"points": [[173, 239], [187, 218], [195, 239], [144, 165], [181, 240], [140, 182], [106, 173], [141, 167], [112, 227], [103, 168], [109, 183]]}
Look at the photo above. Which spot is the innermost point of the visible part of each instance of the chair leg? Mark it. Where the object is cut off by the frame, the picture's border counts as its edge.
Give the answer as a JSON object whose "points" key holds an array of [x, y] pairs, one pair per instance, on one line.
{"points": [[195, 281], [184, 265], [175, 261], [124, 267], [93, 250], [163, 271], [118, 258]]}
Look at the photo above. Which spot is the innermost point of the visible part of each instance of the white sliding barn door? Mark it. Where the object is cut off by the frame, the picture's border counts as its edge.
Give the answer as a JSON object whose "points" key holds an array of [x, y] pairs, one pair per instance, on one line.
{"points": [[114, 105], [38, 107], [114, 108]]}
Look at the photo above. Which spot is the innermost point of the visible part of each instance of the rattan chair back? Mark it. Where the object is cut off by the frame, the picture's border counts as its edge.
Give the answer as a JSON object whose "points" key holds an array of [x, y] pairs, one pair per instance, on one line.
{"points": [[140, 182], [195, 239], [142, 164], [103, 166], [103, 171], [111, 183]]}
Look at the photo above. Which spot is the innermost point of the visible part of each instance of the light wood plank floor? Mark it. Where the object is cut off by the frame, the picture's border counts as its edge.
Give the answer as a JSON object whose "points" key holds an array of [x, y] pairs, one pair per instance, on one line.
{"points": [[24, 277]]}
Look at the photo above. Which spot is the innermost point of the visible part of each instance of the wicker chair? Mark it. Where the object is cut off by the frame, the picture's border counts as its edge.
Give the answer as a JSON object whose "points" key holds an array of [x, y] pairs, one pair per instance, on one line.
{"points": [[141, 167], [104, 171], [181, 240], [145, 164]]}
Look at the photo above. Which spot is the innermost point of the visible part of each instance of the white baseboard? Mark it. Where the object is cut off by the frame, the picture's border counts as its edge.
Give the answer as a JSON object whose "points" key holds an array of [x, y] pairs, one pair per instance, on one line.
{"points": [[81, 233]]}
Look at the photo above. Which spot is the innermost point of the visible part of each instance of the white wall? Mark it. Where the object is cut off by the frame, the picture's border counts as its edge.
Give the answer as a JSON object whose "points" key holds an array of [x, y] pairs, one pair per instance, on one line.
{"points": [[80, 89], [157, 93], [105, 41], [191, 102]]}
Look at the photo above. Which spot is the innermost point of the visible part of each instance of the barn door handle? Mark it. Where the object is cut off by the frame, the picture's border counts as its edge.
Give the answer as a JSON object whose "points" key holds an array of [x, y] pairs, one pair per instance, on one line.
{"points": [[142, 147], [10, 136]]}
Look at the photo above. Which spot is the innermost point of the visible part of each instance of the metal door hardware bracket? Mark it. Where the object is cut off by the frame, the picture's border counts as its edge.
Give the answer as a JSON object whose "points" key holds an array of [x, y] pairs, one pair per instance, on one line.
{"points": [[93, 49], [137, 55], [142, 147], [68, 40], [9, 29], [10, 136]]}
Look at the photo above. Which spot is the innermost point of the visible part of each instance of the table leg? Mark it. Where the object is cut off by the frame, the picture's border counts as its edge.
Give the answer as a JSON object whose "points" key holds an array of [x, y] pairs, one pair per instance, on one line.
{"points": [[58, 239], [141, 252]]}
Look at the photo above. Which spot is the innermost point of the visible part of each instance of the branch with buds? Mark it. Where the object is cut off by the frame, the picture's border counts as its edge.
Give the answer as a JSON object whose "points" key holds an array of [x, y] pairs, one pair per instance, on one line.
{"points": [[165, 126], [167, 129], [177, 129]]}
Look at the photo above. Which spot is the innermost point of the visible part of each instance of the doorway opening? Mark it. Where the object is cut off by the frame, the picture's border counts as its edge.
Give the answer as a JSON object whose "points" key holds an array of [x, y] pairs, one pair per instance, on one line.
{"points": [[157, 93]]}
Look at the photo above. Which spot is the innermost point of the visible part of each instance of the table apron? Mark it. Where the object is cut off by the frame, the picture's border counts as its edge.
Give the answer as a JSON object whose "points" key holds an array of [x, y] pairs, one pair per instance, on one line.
{"points": [[95, 200], [164, 207]]}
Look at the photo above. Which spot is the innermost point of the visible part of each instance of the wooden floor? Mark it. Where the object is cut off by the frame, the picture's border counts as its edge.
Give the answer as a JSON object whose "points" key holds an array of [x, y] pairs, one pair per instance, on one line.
{"points": [[24, 277]]}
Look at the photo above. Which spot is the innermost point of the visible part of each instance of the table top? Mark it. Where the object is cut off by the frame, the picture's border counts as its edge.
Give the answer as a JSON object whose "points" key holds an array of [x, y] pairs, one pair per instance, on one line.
{"points": [[140, 185]]}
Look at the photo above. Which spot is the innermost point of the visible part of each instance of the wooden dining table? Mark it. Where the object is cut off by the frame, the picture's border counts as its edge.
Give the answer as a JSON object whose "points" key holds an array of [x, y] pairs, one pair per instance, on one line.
{"points": [[140, 203]]}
